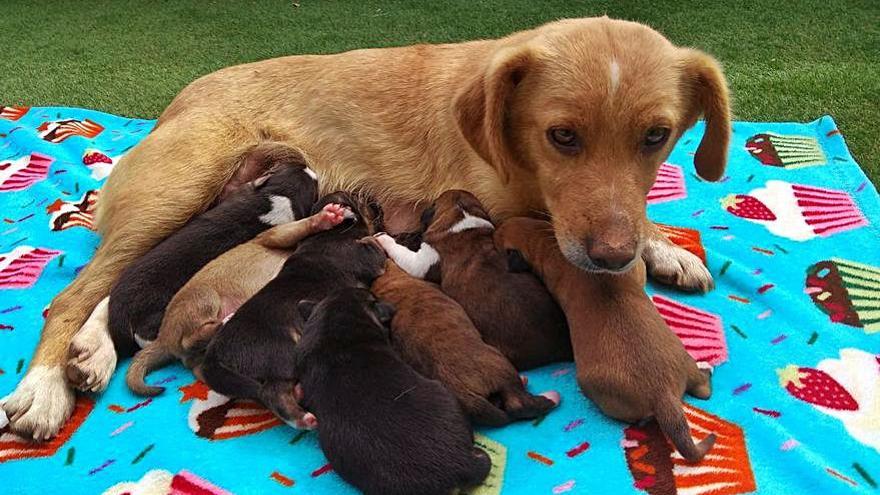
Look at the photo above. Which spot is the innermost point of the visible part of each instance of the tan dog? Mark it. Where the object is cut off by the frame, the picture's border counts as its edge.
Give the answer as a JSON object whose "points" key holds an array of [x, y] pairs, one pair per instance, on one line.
{"points": [[218, 290], [628, 361], [572, 118], [435, 336]]}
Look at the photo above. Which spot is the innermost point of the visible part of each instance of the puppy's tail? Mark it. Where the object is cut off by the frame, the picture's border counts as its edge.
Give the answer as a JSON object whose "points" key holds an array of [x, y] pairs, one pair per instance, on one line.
{"points": [[146, 360], [670, 417]]}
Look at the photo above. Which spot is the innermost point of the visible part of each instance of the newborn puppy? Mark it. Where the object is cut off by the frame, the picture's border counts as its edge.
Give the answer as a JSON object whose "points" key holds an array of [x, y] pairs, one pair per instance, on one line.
{"points": [[217, 290], [384, 428], [512, 309], [434, 335], [251, 356], [628, 361], [140, 296]]}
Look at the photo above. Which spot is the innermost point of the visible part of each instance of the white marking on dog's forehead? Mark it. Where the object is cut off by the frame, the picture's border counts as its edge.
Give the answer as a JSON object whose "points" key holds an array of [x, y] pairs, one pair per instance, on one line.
{"points": [[280, 213], [471, 222], [614, 74], [312, 173]]}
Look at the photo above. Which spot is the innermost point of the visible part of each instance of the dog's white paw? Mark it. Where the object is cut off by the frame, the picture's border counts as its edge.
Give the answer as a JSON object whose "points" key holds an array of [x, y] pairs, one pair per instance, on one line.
{"points": [[91, 357], [676, 266], [41, 403]]}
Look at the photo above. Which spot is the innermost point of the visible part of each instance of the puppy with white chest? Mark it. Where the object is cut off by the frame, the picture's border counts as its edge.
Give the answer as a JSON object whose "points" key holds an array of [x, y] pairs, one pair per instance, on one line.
{"points": [[140, 297], [384, 428], [512, 309], [218, 290], [252, 355]]}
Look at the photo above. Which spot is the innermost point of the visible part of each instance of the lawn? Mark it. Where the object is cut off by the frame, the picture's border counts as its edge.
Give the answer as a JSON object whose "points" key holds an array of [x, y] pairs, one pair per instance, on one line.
{"points": [[786, 61]]}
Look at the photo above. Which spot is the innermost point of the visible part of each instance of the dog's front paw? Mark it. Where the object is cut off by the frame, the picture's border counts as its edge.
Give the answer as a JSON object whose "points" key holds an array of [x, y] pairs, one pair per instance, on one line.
{"points": [[330, 216], [672, 265], [91, 357], [41, 403]]}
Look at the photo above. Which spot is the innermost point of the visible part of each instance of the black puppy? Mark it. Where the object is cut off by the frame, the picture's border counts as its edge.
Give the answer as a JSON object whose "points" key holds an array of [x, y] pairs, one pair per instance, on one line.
{"points": [[252, 355], [384, 428], [144, 289]]}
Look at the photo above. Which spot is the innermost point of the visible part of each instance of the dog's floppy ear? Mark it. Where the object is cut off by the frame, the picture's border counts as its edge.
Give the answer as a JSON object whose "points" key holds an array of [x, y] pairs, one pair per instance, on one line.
{"points": [[306, 307], [481, 108], [706, 89]]}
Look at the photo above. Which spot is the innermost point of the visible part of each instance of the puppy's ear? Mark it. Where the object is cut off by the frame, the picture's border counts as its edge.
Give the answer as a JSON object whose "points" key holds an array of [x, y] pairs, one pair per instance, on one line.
{"points": [[482, 107], [707, 94], [306, 307], [261, 180], [428, 216], [385, 312]]}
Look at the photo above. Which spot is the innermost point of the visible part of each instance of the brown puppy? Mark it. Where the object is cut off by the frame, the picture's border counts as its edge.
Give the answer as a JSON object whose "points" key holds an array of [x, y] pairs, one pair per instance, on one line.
{"points": [[435, 336], [512, 310], [218, 290], [628, 361], [572, 118]]}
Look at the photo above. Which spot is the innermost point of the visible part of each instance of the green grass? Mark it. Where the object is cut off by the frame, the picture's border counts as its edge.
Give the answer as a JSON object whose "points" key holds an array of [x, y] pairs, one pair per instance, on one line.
{"points": [[786, 61]]}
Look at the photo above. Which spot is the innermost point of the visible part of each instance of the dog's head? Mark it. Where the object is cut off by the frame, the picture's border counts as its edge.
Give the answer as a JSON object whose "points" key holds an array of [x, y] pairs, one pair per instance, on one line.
{"points": [[455, 211], [346, 315], [582, 113]]}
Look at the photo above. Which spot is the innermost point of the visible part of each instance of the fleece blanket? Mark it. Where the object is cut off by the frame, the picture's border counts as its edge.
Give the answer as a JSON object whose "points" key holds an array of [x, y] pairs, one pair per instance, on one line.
{"points": [[792, 330]]}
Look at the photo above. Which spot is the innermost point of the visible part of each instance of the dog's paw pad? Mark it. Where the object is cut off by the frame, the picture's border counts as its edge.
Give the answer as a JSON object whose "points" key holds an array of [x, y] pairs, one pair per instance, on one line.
{"points": [[40, 404], [330, 216]]}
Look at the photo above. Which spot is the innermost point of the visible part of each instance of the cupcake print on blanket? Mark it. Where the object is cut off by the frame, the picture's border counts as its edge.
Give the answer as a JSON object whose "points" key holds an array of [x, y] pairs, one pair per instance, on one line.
{"points": [[701, 332], [21, 267], [777, 150], [797, 212], [668, 186], [217, 417], [847, 291], [845, 388], [658, 469], [23, 172]]}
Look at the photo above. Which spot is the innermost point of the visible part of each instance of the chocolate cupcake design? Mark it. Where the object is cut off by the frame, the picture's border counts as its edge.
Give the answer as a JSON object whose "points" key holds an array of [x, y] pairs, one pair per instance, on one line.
{"points": [[217, 417], [778, 150], [79, 213], [659, 470], [14, 447], [12, 113], [58, 130], [847, 291]]}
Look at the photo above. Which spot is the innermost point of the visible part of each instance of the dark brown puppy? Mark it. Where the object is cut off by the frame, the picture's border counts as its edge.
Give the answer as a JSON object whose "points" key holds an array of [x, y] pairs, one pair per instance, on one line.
{"points": [[628, 361], [512, 309], [252, 355], [434, 335], [143, 291], [384, 428]]}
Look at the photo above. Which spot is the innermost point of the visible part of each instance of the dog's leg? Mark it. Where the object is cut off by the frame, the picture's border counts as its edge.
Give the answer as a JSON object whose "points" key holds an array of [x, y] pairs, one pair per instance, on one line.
{"points": [[154, 189], [673, 265], [91, 357], [415, 263]]}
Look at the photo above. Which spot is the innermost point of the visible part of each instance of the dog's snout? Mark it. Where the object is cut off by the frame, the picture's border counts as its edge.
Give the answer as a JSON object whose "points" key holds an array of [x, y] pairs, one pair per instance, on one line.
{"points": [[610, 255]]}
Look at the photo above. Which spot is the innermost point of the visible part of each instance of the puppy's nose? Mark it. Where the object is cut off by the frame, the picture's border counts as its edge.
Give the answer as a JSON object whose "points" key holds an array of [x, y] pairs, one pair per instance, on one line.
{"points": [[610, 256]]}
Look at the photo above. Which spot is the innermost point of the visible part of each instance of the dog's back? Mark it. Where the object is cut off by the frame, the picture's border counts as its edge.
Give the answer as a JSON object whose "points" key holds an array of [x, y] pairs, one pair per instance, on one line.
{"points": [[139, 298], [375, 410]]}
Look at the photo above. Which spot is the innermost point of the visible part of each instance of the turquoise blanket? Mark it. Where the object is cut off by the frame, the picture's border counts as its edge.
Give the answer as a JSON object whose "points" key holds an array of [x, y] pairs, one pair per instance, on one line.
{"points": [[792, 329]]}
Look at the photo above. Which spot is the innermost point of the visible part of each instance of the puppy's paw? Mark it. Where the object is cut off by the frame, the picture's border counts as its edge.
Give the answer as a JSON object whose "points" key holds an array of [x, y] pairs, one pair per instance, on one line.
{"points": [[330, 216], [91, 357], [669, 264], [41, 403]]}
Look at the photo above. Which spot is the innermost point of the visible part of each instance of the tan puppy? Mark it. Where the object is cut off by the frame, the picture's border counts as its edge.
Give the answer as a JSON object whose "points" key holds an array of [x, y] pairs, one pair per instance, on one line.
{"points": [[628, 361], [218, 290], [435, 336], [572, 118]]}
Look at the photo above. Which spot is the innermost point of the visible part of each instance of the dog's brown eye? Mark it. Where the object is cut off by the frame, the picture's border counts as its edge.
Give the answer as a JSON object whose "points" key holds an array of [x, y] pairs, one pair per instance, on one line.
{"points": [[566, 140], [656, 137]]}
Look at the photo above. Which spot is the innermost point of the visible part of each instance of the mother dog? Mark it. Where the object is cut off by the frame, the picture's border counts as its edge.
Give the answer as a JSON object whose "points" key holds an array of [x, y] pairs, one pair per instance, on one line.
{"points": [[571, 120]]}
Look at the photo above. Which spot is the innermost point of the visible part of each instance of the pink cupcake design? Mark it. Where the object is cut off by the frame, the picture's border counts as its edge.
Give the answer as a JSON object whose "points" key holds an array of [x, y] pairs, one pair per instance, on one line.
{"points": [[668, 186], [701, 332], [795, 211], [12, 113], [21, 267], [160, 481], [24, 172], [59, 130]]}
